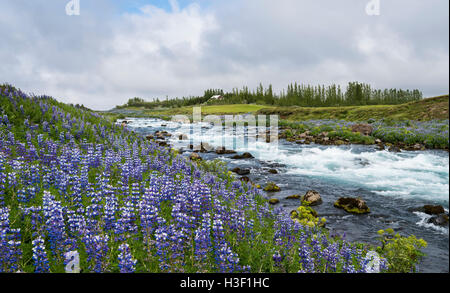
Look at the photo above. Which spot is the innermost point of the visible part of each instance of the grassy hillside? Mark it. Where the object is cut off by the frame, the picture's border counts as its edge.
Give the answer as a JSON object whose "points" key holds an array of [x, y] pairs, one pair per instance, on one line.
{"points": [[206, 110], [426, 109]]}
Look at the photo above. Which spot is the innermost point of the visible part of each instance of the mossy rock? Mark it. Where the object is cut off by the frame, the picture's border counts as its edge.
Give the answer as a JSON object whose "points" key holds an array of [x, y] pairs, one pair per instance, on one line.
{"points": [[311, 198], [195, 157], [307, 216], [352, 205], [433, 210], [294, 196], [274, 201], [439, 220], [272, 187]]}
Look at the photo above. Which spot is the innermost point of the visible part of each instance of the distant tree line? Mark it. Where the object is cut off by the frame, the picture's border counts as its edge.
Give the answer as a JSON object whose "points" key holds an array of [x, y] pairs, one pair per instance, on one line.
{"points": [[355, 94]]}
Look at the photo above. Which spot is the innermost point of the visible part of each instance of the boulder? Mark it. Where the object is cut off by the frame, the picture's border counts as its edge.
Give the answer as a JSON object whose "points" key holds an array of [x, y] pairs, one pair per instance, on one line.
{"points": [[418, 147], [364, 129], [243, 156], [273, 171], [272, 187], [222, 151], [307, 216], [433, 210], [149, 137], [182, 137], [294, 196], [203, 147], [380, 146], [207, 147], [352, 205], [439, 220], [274, 201], [240, 171], [195, 157], [312, 198], [247, 156], [162, 133], [394, 149]]}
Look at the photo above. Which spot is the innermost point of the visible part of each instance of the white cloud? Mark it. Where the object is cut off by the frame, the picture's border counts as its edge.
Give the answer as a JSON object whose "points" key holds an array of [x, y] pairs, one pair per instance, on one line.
{"points": [[101, 59]]}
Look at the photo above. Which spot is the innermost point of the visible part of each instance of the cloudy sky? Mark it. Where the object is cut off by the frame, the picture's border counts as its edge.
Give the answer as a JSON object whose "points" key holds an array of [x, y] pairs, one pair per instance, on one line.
{"points": [[118, 49]]}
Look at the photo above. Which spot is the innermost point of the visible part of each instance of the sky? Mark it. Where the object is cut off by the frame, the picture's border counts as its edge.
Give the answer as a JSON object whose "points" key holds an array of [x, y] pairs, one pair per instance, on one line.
{"points": [[117, 49]]}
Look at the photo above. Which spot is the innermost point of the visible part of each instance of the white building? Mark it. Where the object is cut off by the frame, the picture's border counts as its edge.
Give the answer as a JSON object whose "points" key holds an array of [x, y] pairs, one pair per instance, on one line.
{"points": [[216, 97]]}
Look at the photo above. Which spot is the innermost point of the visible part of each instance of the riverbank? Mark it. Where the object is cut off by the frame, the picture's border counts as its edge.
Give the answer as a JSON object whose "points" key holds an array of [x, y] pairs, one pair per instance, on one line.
{"points": [[410, 126], [335, 171]]}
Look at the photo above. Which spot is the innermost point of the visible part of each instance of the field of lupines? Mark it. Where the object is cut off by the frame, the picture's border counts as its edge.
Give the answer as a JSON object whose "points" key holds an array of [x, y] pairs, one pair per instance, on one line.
{"points": [[73, 181], [432, 134]]}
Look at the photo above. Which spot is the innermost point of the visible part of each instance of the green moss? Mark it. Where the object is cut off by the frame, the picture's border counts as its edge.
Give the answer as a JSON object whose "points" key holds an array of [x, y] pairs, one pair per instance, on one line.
{"points": [[272, 187], [307, 216], [350, 209], [274, 201], [426, 109], [294, 196]]}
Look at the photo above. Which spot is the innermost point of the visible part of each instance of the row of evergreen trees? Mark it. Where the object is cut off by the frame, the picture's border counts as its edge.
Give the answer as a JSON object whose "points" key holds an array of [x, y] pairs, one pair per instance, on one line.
{"points": [[355, 94]]}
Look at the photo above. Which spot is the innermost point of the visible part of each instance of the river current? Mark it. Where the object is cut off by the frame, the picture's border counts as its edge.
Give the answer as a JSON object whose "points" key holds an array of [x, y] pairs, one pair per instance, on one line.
{"points": [[392, 184]]}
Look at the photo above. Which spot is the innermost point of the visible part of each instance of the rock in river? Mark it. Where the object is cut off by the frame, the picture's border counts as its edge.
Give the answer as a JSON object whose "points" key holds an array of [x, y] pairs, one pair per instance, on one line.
{"points": [[183, 137], [394, 149], [294, 196], [352, 205], [240, 171], [312, 198], [195, 157], [272, 187], [364, 129], [433, 210], [439, 220], [243, 156], [222, 151], [274, 201]]}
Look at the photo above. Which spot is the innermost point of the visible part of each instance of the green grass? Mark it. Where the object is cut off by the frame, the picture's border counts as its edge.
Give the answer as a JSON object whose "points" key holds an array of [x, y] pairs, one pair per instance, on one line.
{"points": [[206, 110], [426, 109]]}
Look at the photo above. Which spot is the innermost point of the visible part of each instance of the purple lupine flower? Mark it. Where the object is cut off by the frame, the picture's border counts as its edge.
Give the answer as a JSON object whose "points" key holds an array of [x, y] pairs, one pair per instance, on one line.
{"points": [[41, 263], [126, 262]]}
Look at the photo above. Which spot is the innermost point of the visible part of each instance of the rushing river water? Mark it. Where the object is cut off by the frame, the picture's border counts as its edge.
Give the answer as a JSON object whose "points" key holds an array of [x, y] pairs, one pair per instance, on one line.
{"points": [[392, 184]]}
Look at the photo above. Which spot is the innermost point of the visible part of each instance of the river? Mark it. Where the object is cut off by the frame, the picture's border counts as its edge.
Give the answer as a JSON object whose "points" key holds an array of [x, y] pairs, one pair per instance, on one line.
{"points": [[392, 184]]}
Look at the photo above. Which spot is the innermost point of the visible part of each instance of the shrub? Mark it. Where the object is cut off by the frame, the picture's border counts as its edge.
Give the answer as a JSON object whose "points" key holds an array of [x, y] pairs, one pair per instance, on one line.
{"points": [[402, 253]]}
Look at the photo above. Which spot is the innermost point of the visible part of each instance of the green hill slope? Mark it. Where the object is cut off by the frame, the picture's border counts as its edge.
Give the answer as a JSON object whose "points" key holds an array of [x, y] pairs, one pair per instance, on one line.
{"points": [[426, 109]]}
